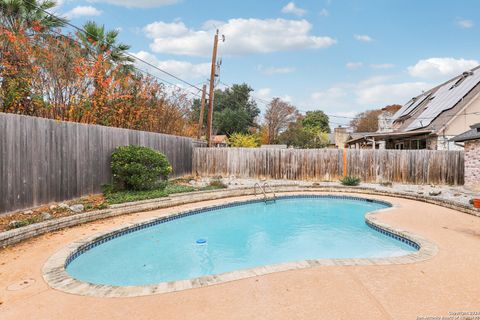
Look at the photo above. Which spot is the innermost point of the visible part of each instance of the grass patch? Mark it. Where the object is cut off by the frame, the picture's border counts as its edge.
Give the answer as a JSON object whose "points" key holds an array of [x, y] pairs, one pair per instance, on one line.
{"points": [[116, 197]]}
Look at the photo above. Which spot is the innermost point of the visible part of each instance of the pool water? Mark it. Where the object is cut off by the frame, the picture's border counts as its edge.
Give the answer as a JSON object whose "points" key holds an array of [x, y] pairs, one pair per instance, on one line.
{"points": [[238, 237]]}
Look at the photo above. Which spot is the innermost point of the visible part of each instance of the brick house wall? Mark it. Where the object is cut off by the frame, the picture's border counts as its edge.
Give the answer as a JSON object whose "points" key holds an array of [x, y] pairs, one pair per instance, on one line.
{"points": [[472, 164]]}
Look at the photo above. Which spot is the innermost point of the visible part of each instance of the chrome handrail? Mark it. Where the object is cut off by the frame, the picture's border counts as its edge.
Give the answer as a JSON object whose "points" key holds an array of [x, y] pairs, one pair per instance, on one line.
{"points": [[265, 185], [260, 187]]}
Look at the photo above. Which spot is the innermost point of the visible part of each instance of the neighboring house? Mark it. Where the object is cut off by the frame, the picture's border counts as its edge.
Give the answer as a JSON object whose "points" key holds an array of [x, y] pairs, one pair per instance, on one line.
{"points": [[430, 120], [471, 142], [338, 137], [220, 141]]}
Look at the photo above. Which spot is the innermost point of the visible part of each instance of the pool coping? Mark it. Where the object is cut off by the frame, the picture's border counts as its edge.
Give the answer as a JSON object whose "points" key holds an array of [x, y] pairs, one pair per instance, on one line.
{"points": [[56, 276], [11, 237]]}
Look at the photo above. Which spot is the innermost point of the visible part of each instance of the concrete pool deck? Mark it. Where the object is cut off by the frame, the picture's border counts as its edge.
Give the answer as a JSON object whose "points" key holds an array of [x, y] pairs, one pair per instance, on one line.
{"points": [[447, 282]]}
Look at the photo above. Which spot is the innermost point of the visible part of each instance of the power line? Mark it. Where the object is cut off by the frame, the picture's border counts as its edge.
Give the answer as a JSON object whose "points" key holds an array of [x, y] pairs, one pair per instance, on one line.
{"points": [[194, 86], [126, 53], [356, 117], [133, 66]]}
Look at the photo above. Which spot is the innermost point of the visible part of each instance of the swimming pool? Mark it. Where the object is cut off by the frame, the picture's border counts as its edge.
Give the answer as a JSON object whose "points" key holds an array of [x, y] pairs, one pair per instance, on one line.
{"points": [[236, 237]]}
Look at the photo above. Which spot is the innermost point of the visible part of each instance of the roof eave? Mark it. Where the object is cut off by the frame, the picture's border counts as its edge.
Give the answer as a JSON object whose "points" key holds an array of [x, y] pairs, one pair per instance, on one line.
{"points": [[391, 135]]}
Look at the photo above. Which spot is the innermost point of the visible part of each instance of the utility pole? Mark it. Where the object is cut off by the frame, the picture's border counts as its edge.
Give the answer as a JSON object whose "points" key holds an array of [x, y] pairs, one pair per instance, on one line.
{"points": [[212, 89], [202, 108]]}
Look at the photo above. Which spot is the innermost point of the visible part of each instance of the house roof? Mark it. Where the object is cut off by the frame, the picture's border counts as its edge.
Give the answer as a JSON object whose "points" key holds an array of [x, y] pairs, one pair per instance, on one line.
{"points": [[434, 108], [387, 135], [472, 134], [219, 139], [356, 135]]}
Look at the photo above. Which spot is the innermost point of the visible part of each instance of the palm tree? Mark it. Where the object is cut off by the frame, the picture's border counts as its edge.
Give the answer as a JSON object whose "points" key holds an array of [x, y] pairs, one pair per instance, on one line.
{"points": [[103, 43], [18, 15]]}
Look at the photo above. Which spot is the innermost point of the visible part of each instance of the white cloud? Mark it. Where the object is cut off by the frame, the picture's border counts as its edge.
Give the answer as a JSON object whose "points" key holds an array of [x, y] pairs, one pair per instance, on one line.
{"points": [[372, 81], [333, 101], [383, 94], [162, 29], [263, 93], [363, 38], [267, 95], [382, 66], [243, 36], [324, 13], [182, 69], [441, 68], [329, 95], [354, 65], [374, 92], [275, 70], [82, 11], [291, 7], [465, 23], [139, 3]]}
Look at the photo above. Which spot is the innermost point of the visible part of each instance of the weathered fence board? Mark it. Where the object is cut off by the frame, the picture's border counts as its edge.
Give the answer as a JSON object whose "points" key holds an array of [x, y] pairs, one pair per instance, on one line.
{"points": [[45, 160], [404, 166]]}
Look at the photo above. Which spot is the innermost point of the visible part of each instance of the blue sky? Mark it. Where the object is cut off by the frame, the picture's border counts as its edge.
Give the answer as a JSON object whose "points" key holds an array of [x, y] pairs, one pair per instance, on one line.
{"points": [[340, 56]]}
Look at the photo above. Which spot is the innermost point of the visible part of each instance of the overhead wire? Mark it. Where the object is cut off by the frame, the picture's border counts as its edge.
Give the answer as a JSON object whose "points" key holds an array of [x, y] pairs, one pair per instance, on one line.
{"points": [[126, 53], [188, 83], [164, 81]]}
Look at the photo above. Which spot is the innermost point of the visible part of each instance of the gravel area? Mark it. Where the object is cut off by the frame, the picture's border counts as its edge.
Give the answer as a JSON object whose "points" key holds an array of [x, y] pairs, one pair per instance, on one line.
{"points": [[451, 193]]}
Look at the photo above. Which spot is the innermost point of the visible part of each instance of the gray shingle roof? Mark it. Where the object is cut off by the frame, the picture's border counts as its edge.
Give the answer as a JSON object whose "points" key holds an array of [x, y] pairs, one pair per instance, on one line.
{"points": [[472, 134]]}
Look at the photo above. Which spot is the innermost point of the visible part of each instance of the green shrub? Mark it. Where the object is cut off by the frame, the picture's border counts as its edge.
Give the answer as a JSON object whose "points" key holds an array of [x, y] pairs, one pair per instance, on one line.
{"points": [[139, 168], [350, 181], [243, 140]]}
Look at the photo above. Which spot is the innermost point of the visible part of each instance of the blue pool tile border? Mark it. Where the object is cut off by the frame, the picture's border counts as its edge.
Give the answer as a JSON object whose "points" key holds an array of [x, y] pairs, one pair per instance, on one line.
{"points": [[57, 277], [118, 233]]}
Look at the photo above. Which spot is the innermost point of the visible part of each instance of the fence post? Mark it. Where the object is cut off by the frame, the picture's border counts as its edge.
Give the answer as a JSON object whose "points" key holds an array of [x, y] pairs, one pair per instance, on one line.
{"points": [[344, 162]]}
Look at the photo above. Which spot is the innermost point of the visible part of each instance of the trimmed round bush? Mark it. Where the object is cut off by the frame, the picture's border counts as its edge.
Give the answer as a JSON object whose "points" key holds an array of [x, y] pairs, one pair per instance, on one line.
{"points": [[139, 168]]}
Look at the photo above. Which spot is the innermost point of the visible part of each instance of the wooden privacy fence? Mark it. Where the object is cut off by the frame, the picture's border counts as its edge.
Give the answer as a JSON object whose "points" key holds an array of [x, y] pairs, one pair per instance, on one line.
{"points": [[404, 166], [45, 160]]}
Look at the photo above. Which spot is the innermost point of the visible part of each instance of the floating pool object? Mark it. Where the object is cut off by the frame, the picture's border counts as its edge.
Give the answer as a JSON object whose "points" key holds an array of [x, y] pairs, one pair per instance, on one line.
{"points": [[243, 236]]}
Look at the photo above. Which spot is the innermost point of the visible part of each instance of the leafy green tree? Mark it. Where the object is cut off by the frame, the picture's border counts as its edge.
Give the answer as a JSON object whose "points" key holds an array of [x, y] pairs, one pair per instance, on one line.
{"points": [[316, 138], [230, 121], [316, 119], [234, 110], [242, 140], [309, 136]]}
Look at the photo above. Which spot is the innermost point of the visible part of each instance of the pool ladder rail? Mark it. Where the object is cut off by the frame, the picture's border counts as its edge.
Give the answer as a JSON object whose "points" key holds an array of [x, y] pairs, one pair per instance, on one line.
{"points": [[263, 189]]}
